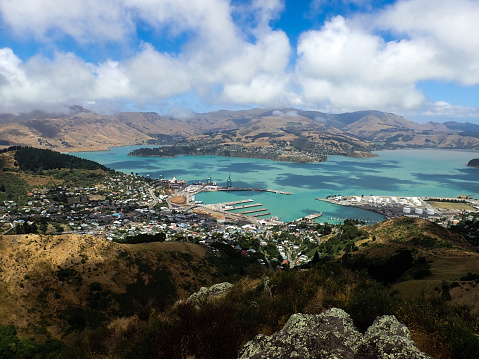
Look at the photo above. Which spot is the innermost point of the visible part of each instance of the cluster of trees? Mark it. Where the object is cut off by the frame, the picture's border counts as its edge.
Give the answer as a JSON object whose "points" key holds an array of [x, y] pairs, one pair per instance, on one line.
{"points": [[143, 238], [26, 228], [345, 238], [469, 229], [13, 347], [39, 225], [35, 159]]}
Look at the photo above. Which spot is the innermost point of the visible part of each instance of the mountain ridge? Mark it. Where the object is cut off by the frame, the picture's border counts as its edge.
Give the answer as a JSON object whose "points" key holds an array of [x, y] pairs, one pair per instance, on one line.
{"points": [[82, 130]]}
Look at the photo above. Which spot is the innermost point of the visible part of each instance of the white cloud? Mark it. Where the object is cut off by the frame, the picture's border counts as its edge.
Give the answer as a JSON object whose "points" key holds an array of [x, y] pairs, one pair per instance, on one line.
{"points": [[219, 61], [41, 82], [288, 114], [344, 66], [443, 109], [347, 64], [230, 54], [84, 20], [152, 74], [448, 26]]}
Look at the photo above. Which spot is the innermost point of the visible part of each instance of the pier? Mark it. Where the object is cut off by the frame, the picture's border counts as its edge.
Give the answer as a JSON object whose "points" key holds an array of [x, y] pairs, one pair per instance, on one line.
{"points": [[246, 206], [227, 189], [254, 211], [309, 217], [234, 202], [261, 215]]}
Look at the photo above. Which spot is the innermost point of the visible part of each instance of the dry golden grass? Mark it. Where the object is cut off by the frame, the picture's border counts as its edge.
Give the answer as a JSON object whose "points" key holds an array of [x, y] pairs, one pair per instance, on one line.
{"points": [[451, 259], [178, 200], [453, 206], [39, 181], [30, 288]]}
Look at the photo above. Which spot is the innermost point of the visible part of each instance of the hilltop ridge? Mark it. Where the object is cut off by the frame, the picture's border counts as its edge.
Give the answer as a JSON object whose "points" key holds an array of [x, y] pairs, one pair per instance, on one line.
{"points": [[82, 130]]}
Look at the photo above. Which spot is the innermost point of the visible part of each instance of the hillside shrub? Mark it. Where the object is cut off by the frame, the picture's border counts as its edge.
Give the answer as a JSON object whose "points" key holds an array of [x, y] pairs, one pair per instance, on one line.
{"points": [[469, 276], [369, 300]]}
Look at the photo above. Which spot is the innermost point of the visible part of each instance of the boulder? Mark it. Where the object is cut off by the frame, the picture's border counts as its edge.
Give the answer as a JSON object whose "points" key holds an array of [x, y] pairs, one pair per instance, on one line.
{"points": [[216, 290], [387, 338], [332, 334]]}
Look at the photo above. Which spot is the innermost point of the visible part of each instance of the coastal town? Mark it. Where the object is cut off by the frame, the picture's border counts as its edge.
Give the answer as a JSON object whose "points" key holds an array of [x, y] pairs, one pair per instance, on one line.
{"points": [[128, 206]]}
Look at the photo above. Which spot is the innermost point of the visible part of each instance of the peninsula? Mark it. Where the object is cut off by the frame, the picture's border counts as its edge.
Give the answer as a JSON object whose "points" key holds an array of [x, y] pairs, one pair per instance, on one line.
{"points": [[279, 153]]}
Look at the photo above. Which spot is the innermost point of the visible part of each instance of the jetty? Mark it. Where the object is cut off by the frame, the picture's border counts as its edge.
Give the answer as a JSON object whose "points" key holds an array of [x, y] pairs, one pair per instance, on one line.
{"points": [[232, 189], [234, 203], [261, 215], [313, 216], [246, 206], [254, 211], [310, 217]]}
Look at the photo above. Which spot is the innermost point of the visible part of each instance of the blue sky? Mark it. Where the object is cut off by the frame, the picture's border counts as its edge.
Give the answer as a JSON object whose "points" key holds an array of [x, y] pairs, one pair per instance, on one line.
{"points": [[416, 58]]}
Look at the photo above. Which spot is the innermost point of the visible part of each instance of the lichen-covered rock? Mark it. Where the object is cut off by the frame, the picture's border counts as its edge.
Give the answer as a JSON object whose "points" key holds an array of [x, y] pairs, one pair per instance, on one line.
{"points": [[327, 335], [216, 290], [387, 338], [332, 335]]}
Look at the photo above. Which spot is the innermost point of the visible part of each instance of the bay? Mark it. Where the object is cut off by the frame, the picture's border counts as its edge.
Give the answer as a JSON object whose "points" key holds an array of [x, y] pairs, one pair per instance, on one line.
{"points": [[401, 173]]}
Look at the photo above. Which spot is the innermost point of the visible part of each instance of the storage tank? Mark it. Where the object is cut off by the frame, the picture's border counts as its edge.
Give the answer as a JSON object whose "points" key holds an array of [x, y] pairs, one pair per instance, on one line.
{"points": [[430, 211], [419, 211], [406, 210]]}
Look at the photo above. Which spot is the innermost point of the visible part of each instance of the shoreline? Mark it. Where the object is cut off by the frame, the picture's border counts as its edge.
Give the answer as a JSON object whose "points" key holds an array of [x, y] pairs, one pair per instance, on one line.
{"points": [[428, 207]]}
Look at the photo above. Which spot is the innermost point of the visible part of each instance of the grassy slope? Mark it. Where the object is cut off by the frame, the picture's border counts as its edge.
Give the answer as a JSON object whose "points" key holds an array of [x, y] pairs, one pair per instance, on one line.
{"points": [[448, 255], [44, 279]]}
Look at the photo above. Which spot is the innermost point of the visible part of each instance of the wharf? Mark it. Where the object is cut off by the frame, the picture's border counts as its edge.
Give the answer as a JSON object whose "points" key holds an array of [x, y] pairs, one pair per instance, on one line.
{"points": [[250, 189], [310, 217], [246, 206], [254, 211], [234, 203], [261, 215], [313, 216]]}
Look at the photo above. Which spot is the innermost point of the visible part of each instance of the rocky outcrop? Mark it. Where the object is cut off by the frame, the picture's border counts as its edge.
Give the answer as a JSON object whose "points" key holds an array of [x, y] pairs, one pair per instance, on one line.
{"points": [[332, 334], [216, 290]]}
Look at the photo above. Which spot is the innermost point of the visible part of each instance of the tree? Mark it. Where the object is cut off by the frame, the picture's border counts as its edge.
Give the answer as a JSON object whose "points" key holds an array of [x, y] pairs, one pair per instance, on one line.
{"points": [[59, 228]]}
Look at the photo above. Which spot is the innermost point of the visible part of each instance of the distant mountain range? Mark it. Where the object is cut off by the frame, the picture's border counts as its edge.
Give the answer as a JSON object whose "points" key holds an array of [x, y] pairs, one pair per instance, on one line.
{"points": [[82, 130]]}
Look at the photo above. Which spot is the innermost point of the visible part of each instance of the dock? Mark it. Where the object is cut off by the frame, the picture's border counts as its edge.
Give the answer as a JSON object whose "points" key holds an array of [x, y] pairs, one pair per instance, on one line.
{"points": [[232, 189], [309, 217], [313, 216], [235, 202], [278, 192], [246, 206], [261, 215], [254, 211]]}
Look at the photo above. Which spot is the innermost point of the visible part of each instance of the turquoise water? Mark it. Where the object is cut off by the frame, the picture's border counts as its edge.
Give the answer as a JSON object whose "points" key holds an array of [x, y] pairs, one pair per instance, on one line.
{"points": [[396, 173]]}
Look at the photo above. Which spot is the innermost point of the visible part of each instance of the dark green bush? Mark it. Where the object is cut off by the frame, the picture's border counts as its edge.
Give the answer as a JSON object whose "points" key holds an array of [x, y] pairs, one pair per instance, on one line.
{"points": [[369, 300]]}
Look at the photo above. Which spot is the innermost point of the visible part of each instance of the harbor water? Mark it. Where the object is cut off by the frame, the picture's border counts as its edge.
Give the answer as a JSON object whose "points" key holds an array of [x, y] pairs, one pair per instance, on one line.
{"points": [[400, 173]]}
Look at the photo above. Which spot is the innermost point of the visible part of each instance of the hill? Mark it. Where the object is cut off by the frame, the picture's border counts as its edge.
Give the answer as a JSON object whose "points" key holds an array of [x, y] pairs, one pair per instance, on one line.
{"points": [[52, 286], [82, 130], [418, 256], [27, 168], [79, 131]]}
